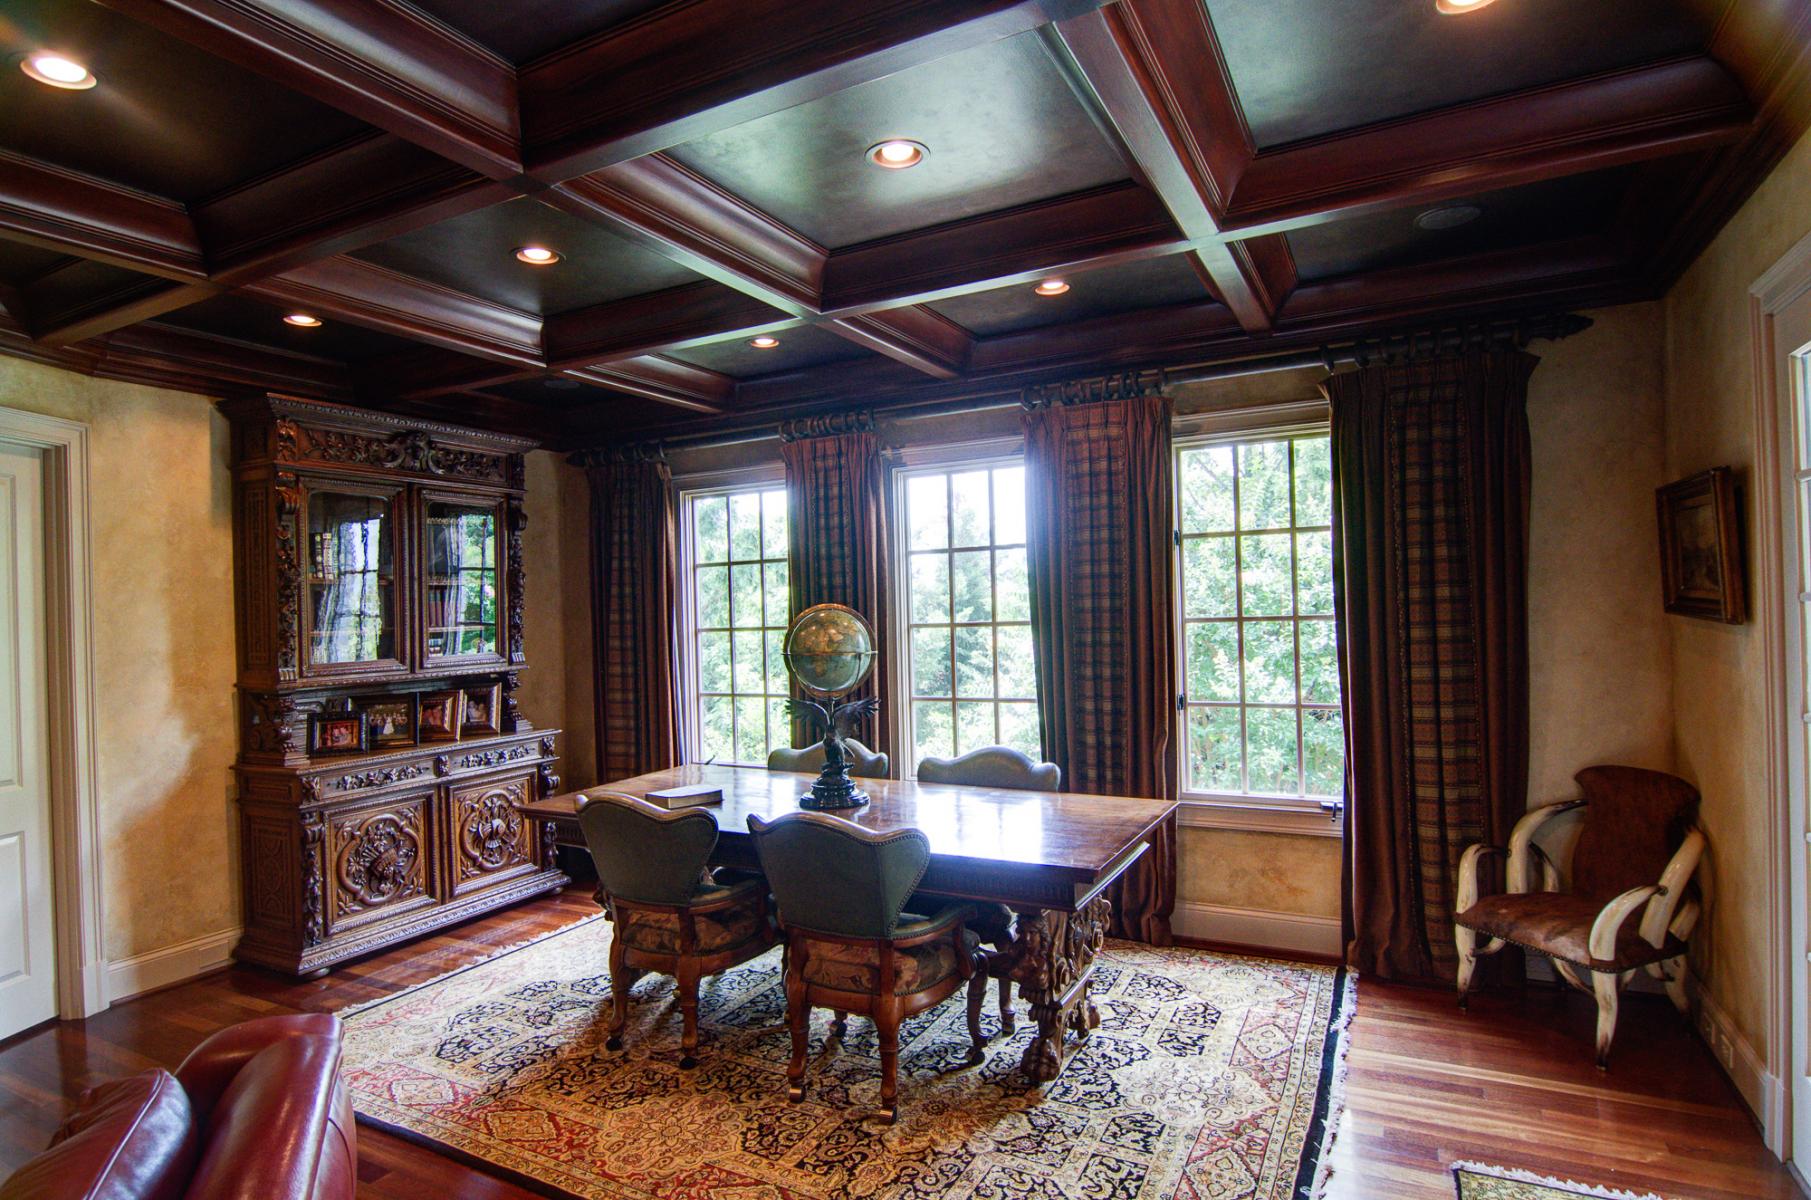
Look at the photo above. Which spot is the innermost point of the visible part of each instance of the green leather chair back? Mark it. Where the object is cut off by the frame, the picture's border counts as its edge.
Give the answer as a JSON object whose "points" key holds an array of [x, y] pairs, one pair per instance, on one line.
{"points": [[993, 766], [645, 853], [863, 762], [831, 876]]}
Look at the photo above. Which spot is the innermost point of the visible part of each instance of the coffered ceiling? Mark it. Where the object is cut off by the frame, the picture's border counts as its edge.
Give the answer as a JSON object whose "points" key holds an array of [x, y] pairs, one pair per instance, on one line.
{"points": [[1212, 179]]}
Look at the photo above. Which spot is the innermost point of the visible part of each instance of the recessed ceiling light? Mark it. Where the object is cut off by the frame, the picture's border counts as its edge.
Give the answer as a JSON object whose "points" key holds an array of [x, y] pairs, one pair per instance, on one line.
{"points": [[764, 342], [1051, 287], [305, 320], [58, 71], [537, 256], [1449, 216], [896, 154], [1455, 7]]}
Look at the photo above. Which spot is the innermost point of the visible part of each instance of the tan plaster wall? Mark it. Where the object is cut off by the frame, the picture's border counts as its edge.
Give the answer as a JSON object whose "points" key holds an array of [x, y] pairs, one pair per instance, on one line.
{"points": [[1600, 659], [556, 621], [163, 641], [1269, 872], [1717, 685]]}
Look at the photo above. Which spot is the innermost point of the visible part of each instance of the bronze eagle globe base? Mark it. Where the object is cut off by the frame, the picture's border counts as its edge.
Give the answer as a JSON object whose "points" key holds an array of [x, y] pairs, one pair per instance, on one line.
{"points": [[830, 651], [833, 788]]}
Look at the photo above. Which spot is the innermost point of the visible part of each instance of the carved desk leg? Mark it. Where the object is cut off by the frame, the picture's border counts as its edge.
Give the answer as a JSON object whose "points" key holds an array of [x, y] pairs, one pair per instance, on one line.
{"points": [[1052, 959]]}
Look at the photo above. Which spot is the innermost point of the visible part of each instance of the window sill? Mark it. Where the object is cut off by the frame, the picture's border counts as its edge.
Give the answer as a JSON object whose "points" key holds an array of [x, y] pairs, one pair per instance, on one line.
{"points": [[1246, 814]]}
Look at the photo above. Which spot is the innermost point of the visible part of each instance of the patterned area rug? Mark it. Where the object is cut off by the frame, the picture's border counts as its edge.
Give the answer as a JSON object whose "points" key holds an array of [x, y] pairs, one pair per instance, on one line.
{"points": [[1476, 1181], [1210, 1076]]}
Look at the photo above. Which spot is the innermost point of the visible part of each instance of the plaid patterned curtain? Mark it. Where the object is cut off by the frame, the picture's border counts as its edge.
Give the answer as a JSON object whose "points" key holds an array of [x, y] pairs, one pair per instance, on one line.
{"points": [[836, 501], [633, 598], [1430, 521], [1098, 523]]}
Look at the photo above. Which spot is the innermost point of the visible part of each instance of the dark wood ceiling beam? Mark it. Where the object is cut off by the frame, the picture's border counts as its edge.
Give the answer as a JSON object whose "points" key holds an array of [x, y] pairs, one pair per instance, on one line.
{"points": [[66, 211], [1568, 271], [350, 196], [686, 70], [678, 317], [386, 63], [1678, 107], [1562, 273], [1767, 44], [919, 337], [428, 371], [662, 206], [666, 380], [62, 308], [1156, 71], [165, 356], [1096, 228], [377, 298]]}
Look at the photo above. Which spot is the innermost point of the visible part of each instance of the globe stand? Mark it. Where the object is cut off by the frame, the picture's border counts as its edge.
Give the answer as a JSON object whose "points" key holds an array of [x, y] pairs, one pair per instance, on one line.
{"points": [[833, 789], [830, 650]]}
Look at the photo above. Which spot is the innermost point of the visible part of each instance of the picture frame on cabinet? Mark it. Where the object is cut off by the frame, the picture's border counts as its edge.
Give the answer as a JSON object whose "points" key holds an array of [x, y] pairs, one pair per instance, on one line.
{"points": [[337, 733], [442, 714], [480, 715], [389, 720]]}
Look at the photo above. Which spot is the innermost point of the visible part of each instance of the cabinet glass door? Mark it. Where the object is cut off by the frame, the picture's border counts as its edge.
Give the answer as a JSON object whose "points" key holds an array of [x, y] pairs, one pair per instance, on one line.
{"points": [[464, 580], [351, 579]]}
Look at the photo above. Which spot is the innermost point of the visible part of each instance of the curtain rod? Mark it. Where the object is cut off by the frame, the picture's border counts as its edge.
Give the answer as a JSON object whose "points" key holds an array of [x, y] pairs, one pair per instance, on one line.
{"points": [[1357, 351]]}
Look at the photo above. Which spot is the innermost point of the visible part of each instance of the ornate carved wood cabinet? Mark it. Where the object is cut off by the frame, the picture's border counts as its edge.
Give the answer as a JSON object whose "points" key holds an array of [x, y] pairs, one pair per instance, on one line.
{"points": [[379, 583]]}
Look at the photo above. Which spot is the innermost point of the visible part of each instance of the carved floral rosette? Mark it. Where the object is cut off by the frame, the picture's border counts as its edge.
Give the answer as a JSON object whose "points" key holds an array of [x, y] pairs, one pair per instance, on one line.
{"points": [[379, 859]]}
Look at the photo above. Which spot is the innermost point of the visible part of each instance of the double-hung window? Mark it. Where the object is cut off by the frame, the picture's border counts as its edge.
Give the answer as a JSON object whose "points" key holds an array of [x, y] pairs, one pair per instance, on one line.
{"points": [[1260, 708], [735, 609], [965, 602]]}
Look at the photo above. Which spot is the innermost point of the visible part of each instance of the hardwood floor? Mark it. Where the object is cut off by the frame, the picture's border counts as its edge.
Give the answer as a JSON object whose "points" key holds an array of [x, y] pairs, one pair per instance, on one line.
{"points": [[1510, 1083]]}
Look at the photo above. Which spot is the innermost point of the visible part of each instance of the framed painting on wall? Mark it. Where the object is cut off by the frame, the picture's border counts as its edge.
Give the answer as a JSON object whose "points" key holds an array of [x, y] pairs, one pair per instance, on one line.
{"points": [[1701, 547]]}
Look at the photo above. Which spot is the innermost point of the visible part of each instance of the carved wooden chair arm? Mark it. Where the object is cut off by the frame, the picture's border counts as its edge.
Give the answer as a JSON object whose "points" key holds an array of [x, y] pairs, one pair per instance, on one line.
{"points": [[1609, 922], [1658, 920], [1522, 850]]}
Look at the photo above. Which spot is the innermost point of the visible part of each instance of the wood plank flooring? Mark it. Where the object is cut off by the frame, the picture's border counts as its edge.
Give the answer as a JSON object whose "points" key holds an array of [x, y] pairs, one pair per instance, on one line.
{"points": [[1509, 1083]]}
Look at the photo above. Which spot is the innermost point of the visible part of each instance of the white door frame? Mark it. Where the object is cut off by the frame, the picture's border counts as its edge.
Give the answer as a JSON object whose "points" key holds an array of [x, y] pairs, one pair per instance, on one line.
{"points": [[69, 653], [1786, 281]]}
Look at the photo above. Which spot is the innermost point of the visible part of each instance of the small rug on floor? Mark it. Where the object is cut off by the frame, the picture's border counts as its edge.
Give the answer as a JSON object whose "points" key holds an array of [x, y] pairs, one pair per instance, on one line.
{"points": [[1476, 1181], [1210, 1076]]}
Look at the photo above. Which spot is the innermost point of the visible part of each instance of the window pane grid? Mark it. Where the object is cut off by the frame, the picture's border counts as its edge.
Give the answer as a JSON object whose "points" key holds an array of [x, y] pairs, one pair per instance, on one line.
{"points": [[1263, 724], [968, 631], [739, 614]]}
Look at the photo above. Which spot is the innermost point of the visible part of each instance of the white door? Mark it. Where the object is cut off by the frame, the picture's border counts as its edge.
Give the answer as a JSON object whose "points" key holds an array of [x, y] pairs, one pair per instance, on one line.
{"points": [[28, 984], [1792, 332]]}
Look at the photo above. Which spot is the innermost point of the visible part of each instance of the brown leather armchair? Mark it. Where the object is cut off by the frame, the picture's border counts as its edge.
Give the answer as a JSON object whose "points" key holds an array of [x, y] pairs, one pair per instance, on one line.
{"points": [[1636, 853], [258, 1109]]}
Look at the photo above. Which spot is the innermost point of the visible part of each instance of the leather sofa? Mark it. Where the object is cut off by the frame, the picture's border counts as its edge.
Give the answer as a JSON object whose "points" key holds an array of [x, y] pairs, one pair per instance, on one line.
{"points": [[257, 1112]]}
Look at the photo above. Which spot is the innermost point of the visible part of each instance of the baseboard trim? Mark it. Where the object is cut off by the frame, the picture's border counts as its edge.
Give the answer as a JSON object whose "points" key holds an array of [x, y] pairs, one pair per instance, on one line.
{"points": [[1762, 1091], [1260, 929], [129, 977]]}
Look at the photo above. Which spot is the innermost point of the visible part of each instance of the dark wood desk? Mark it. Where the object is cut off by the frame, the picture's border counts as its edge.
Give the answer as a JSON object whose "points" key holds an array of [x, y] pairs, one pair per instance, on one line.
{"points": [[1048, 855]]}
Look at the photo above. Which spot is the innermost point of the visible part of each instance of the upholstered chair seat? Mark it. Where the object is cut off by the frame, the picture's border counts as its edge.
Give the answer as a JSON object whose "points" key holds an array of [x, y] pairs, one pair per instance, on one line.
{"points": [[992, 767], [725, 919], [850, 945], [1559, 926], [855, 967], [863, 762], [671, 913], [1631, 903]]}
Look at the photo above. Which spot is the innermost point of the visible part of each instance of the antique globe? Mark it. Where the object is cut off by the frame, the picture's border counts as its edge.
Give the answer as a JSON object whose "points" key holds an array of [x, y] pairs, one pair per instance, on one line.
{"points": [[829, 650]]}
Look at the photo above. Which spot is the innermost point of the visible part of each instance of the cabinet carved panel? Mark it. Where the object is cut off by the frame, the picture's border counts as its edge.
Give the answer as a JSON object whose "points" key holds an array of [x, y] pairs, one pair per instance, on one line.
{"points": [[380, 859], [492, 834]]}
